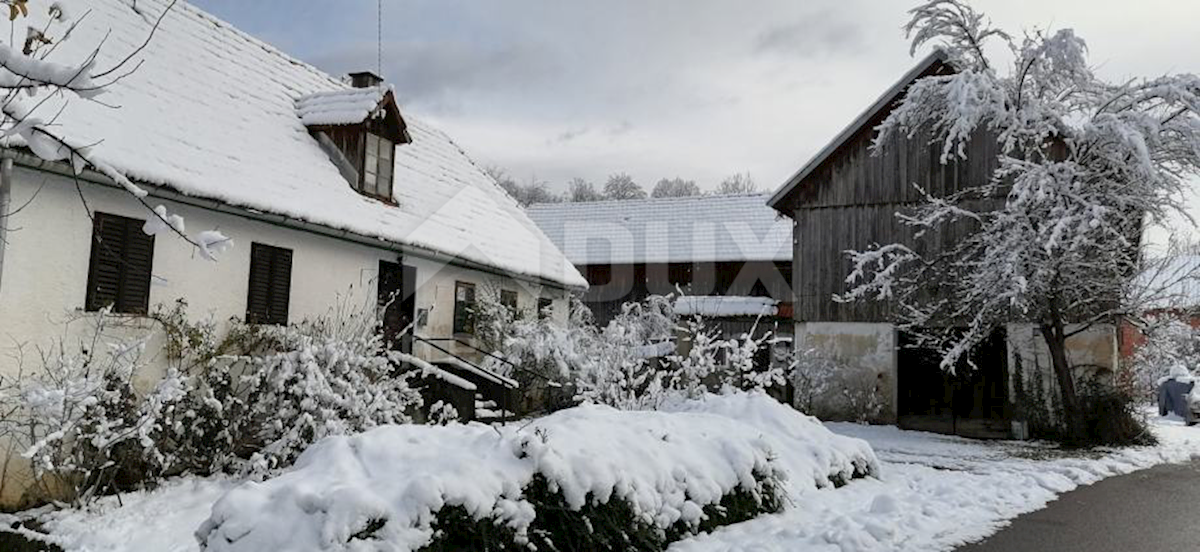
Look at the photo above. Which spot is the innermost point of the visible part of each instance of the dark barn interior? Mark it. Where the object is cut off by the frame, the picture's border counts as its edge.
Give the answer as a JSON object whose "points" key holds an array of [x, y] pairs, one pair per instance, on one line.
{"points": [[971, 402]]}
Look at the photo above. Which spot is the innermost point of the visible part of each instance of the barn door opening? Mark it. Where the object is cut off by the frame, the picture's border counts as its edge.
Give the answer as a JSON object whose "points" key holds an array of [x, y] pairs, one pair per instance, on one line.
{"points": [[972, 402], [397, 299]]}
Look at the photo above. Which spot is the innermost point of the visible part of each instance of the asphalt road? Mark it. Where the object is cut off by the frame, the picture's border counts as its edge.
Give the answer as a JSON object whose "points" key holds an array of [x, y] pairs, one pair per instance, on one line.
{"points": [[1153, 510]]}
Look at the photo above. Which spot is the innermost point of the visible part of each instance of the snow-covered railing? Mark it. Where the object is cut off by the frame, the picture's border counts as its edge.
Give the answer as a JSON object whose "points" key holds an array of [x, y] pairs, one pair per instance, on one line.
{"points": [[720, 306]]}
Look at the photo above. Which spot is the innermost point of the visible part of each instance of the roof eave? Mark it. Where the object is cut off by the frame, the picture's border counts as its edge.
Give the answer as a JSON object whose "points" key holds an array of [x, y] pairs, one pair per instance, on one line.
{"points": [[884, 100], [23, 157]]}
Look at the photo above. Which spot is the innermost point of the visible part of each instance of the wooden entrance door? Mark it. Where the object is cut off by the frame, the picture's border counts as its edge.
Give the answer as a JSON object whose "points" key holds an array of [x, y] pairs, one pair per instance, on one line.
{"points": [[397, 299]]}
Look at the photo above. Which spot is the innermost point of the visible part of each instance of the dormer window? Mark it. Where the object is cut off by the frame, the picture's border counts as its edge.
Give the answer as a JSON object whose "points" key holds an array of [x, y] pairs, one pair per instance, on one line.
{"points": [[359, 129], [377, 170]]}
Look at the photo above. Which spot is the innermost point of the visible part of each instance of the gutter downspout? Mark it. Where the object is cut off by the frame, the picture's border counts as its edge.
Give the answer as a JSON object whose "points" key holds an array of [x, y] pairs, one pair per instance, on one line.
{"points": [[6, 166]]}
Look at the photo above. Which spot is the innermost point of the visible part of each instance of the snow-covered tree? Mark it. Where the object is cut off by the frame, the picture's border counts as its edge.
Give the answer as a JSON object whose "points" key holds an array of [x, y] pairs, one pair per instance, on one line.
{"points": [[739, 183], [1170, 342], [622, 186], [536, 191], [1053, 236], [580, 190], [36, 84], [675, 187]]}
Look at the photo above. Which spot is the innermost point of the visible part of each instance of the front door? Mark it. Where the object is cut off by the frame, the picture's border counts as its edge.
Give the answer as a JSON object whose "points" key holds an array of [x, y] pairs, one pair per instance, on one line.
{"points": [[397, 300]]}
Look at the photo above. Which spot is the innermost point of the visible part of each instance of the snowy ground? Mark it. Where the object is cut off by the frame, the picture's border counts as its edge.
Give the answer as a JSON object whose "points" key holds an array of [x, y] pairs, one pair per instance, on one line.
{"points": [[936, 492]]}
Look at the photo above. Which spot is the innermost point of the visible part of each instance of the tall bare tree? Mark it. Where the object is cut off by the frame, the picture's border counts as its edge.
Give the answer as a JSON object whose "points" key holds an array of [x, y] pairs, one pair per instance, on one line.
{"points": [[580, 190], [675, 187], [739, 183], [622, 186]]}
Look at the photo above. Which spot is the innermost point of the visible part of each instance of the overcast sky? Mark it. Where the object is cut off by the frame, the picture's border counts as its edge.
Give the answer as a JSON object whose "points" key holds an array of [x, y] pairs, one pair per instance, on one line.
{"points": [[692, 88]]}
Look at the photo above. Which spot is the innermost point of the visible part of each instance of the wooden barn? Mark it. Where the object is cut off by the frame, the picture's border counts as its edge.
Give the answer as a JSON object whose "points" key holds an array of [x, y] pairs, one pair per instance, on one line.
{"points": [[846, 198]]}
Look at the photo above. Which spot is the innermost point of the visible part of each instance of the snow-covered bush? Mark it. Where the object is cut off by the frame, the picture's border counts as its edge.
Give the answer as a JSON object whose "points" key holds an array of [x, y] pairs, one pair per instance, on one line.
{"points": [[746, 370], [832, 389], [79, 419], [626, 368], [1170, 341], [694, 370], [548, 354], [322, 377], [591, 477], [632, 362], [494, 322], [249, 399], [258, 395]]}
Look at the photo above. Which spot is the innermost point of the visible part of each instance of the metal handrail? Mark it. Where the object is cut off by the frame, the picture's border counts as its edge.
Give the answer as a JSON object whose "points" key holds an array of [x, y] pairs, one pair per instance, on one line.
{"points": [[514, 366], [504, 381]]}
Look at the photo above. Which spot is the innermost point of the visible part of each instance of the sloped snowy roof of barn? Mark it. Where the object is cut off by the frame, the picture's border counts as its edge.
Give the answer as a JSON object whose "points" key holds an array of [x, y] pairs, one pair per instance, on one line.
{"points": [[213, 112], [667, 230]]}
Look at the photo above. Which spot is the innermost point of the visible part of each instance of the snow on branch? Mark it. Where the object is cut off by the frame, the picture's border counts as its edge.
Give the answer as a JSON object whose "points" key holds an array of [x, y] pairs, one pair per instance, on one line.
{"points": [[876, 272], [1054, 234], [29, 80], [962, 31]]}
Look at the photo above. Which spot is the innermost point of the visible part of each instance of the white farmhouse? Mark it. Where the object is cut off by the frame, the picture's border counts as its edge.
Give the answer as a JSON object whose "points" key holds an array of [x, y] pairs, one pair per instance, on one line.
{"points": [[330, 194]]}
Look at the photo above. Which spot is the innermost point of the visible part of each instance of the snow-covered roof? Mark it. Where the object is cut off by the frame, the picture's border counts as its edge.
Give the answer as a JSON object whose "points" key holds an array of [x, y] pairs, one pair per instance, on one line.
{"points": [[686, 229], [212, 112], [725, 305], [340, 107], [886, 99]]}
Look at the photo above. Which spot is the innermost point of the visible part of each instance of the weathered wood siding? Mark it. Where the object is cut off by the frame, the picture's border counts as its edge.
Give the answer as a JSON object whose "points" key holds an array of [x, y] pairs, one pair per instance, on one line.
{"points": [[851, 202]]}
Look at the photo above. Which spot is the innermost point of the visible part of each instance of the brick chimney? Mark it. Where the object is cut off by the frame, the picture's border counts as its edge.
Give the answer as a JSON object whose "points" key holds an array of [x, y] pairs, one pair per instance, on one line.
{"points": [[365, 79]]}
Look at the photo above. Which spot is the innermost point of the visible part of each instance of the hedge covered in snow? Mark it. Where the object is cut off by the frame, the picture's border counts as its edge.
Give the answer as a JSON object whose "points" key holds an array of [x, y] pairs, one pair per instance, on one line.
{"points": [[635, 478]]}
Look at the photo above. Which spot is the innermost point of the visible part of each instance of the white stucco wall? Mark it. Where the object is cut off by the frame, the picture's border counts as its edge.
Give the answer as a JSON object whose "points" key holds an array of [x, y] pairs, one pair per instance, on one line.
{"points": [[867, 354], [46, 264]]}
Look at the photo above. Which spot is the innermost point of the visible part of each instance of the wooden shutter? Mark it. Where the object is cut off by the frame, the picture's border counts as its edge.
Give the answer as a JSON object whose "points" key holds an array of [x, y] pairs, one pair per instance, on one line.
{"points": [[121, 261], [270, 288]]}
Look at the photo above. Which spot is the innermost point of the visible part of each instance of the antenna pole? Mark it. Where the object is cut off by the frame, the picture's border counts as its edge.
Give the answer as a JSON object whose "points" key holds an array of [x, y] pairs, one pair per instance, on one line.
{"points": [[379, 37]]}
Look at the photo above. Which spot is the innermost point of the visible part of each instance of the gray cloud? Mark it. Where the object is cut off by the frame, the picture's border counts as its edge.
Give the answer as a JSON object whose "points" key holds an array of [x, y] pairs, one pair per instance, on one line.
{"points": [[702, 88], [821, 33], [438, 74]]}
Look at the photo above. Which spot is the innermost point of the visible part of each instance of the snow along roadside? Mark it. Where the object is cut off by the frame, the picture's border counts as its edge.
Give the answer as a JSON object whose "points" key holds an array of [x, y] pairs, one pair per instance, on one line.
{"points": [[383, 488], [937, 493]]}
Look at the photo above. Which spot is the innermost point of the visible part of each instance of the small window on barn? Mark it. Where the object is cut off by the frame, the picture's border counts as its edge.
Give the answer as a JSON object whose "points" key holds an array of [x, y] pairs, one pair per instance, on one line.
{"points": [[119, 270], [464, 308], [270, 285], [508, 299], [545, 307], [377, 167]]}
